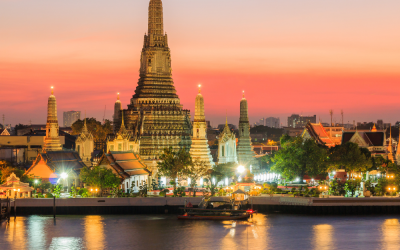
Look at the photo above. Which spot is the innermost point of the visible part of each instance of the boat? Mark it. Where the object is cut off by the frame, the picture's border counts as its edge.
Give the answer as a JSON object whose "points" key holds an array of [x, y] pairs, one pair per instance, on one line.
{"points": [[216, 208]]}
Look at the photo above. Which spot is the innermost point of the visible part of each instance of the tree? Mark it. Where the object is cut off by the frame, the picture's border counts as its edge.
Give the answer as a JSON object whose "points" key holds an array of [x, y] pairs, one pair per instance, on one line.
{"points": [[173, 163], [299, 156], [226, 169], [350, 157], [99, 177], [195, 171], [213, 177], [6, 169], [98, 130]]}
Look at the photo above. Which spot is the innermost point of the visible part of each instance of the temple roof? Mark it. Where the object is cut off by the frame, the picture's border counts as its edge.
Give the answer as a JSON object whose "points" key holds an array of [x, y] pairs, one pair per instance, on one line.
{"points": [[318, 133], [59, 161], [125, 163], [371, 138]]}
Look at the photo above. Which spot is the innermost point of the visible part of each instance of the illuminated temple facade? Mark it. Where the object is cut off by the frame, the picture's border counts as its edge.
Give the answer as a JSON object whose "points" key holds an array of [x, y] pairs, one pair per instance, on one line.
{"points": [[155, 116], [199, 149], [227, 146]]}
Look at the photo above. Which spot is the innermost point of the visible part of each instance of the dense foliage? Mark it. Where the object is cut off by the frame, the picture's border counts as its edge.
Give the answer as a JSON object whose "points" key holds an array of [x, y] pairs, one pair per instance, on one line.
{"points": [[99, 177]]}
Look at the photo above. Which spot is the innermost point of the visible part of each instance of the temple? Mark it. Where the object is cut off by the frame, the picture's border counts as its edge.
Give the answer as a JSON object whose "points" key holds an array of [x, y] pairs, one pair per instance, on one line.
{"points": [[52, 140], [227, 146], [117, 111], [155, 116], [245, 153], [84, 145], [122, 140], [398, 150], [199, 149]]}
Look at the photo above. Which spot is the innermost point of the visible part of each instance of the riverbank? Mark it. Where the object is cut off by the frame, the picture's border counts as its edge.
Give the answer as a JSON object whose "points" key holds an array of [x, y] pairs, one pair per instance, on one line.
{"points": [[170, 205]]}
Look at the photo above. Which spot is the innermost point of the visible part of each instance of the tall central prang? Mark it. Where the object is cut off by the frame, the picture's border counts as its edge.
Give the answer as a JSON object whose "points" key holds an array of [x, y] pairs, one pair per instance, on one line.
{"points": [[155, 115]]}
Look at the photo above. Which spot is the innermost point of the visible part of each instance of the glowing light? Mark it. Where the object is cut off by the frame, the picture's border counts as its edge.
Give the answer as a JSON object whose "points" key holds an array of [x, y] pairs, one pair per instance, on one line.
{"points": [[201, 181], [240, 178], [213, 181], [91, 190], [199, 85], [241, 169], [189, 181], [226, 181], [64, 175], [36, 181], [96, 189]]}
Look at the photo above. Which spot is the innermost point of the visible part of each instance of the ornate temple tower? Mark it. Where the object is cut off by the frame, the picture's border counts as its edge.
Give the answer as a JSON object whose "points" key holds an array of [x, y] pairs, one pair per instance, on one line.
{"points": [[52, 141], [155, 116], [84, 145], [117, 110], [227, 146], [200, 150], [245, 151], [398, 150]]}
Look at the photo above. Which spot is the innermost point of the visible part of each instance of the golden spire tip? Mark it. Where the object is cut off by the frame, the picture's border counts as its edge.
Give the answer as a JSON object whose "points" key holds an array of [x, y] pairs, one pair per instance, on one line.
{"points": [[52, 90]]}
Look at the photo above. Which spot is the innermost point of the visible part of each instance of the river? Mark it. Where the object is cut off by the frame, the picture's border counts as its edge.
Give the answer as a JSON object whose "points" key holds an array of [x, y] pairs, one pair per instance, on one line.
{"points": [[272, 231]]}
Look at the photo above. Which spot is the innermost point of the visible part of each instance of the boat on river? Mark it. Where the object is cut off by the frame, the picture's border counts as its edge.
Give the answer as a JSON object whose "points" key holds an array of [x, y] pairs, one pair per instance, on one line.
{"points": [[216, 208]]}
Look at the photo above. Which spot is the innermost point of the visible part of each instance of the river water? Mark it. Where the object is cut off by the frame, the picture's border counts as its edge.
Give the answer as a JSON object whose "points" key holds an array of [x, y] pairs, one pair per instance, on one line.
{"points": [[149, 232]]}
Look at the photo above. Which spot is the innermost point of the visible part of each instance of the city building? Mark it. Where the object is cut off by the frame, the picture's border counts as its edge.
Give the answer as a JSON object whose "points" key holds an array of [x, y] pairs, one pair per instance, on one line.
{"points": [[23, 149], [69, 117], [245, 153], [52, 140], [227, 146], [84, 145], [132, 171], [299, 121], [293, 132], [155, 115], [273, 122], [199, 149]]}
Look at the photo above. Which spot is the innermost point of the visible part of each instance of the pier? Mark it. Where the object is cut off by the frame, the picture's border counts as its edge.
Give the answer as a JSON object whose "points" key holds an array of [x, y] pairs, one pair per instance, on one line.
{"points": [[171, 205]]}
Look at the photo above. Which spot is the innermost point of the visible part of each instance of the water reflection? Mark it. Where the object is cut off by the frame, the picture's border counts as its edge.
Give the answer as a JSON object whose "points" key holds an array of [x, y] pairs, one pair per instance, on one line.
{"points": [[16, 233], [37, 232], [94, 232], [390, 233], [323, 237]]}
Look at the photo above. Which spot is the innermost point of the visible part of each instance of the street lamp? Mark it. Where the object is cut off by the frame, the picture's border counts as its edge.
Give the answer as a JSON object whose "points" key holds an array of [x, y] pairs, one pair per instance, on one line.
{"points": [[65, 177], [240, 169], [391, 189]]}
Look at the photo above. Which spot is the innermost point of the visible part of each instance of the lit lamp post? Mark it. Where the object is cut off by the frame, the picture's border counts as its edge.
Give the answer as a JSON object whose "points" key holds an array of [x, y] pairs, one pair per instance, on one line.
{"points": [[240, 169], [324, 189], [65, 176], [36, 182], [391, 189]]}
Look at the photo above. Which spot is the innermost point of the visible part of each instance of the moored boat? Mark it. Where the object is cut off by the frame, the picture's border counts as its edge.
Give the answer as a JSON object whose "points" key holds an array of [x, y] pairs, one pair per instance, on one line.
{"points": [[216, 208]]}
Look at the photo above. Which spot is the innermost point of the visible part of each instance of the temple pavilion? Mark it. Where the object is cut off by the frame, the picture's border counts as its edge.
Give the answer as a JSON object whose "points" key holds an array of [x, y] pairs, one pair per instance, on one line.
{"points": [[14, 188]]}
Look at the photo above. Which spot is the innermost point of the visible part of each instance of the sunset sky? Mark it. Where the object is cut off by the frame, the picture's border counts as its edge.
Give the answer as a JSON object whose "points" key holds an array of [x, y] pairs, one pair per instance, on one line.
{"points": [[289, 56]]}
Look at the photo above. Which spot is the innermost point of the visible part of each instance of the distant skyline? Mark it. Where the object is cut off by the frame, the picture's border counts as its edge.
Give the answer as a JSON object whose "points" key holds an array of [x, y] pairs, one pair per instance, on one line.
{"points": [[291, 57]]}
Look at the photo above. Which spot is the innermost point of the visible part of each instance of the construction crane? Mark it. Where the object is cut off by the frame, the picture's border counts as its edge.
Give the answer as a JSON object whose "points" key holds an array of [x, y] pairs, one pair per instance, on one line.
{"points": [[104, 115]]}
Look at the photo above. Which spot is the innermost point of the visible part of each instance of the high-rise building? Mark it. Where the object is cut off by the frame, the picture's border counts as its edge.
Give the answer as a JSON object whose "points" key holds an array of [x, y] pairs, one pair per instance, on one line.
{"points": [[379, 124], [273, 122], [69, 117], [298, 121], [155, 115]]}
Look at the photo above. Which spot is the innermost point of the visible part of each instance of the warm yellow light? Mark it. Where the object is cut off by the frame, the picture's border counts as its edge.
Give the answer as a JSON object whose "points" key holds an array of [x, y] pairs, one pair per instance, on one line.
{"points": [[394, 188], [199, 85], [320, 187], [96, 189], [91, 190], [14, 189], [52, 87], [389, 188], [18, 190]]}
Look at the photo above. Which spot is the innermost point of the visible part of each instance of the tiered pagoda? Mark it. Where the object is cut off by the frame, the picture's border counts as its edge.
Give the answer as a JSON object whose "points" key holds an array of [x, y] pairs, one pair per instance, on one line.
{"points": [[155, 115], [52, 139], [200, 150], [245, 153]]}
